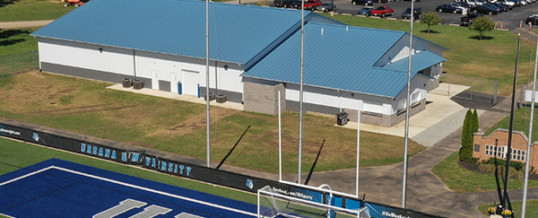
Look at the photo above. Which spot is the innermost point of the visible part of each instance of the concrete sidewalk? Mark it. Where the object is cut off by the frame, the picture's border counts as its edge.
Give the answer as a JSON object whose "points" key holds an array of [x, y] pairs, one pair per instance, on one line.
{"points": [[24, 24], [441, 117]]}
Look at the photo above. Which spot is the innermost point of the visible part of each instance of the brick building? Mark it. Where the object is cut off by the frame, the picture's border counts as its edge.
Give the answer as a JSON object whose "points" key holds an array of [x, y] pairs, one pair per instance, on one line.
{"points": [[485, 146]]}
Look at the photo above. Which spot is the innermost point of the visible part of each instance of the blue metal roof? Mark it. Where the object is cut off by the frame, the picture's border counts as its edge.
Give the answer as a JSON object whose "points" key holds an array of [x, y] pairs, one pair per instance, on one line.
{"points": [[237, 32], [340, 57], [421, 61]]}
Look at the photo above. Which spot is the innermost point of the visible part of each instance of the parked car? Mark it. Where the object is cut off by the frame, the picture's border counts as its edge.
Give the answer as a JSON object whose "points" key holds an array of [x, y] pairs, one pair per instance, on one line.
{"points": [[366, 11], [448, 8], [382, 11], [283, 3], [326, 7], [532, 20], [467, 20], [494, 7], [483, 9], [507, 2], [362, 2], [502, 6], [308, 5], [417, 13], [75, 3]]}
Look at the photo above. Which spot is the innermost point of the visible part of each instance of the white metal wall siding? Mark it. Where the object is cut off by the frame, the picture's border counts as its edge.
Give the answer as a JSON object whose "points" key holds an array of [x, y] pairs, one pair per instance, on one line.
{"points": [[325, 97], [168, 65], [87, 56], [418, 90]]}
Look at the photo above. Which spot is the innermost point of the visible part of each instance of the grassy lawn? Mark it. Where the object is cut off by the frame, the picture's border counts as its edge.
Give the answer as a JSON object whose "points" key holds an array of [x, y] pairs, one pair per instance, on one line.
{"points": [[521, 122], [15, 155], [16, 42], [530, 212], [25, 10], [15, 51], [463, 180], [89, 108], [492, 59]]}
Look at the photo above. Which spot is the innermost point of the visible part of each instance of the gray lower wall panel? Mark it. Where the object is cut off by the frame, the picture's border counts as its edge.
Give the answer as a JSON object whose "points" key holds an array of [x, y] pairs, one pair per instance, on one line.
{"points": [[90, 74], [164, 85]]}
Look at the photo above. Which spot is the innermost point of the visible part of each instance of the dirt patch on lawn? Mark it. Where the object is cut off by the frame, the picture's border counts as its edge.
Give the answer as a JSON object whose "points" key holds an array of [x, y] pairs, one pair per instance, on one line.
{"points": [[195, 122]]}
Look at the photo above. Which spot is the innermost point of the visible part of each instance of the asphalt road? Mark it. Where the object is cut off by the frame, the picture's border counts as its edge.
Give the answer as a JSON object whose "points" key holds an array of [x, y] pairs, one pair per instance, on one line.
{"points": [[509, 20]]}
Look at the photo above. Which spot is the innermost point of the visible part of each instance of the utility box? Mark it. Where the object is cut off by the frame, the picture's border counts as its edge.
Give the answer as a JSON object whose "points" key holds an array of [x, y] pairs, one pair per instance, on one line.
{"points": [[127, 83], [221, 98], [211, 96], [137, 84], [341, 118]]}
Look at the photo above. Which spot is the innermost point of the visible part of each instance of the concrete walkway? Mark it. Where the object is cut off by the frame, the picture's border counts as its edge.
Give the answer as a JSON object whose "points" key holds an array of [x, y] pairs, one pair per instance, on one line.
{"points": [[24, 24]]}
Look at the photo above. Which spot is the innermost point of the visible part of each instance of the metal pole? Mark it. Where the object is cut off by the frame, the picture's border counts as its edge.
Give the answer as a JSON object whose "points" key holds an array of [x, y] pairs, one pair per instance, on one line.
{"points": [[404, 183], [527, 159], [279, 140], [207, 82], [509, 154], [301, 97], [358, 150]]}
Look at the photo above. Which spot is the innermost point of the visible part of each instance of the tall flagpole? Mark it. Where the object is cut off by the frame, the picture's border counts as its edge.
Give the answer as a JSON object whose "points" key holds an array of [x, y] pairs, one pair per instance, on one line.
{"points": [[533, 100], [207, 81], [301, 97], [404, 182], [510, 130]]}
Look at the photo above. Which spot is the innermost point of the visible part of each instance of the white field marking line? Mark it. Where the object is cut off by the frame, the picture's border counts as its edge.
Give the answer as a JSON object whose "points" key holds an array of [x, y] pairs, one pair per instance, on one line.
{"points": [[132, 186], [27, 175]]}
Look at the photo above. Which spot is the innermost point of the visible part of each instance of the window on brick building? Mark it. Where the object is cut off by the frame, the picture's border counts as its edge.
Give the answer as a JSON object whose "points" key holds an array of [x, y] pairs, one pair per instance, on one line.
{"points": [[477, 147]]}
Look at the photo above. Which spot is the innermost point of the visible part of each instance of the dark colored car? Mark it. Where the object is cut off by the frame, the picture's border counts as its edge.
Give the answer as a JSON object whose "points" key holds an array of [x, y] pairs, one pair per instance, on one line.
{"points": [[362, 2], [283, 3], [502, 6], [467, 20], [366, 11], [417, 12], [448, 8], [326, 7], [483, 9], [533, 19]]}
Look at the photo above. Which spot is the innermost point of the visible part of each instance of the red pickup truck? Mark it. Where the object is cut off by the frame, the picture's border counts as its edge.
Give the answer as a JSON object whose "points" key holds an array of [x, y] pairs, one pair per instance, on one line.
{"points": [[308, 5], [382, 11]]}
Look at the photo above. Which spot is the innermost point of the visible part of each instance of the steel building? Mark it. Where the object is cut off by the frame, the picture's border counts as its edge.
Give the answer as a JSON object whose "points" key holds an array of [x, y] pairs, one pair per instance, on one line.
{"points": [[254, 52]]}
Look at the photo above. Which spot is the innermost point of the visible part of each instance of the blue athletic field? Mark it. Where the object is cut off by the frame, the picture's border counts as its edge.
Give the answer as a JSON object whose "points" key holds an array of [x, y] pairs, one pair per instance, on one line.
{"points": [[57, 188]]}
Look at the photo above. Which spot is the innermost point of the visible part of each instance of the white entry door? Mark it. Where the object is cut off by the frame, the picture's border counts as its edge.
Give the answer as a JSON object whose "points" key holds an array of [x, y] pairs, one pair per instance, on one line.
{"points": [[154, 80], [190, 82], [175, 83]]}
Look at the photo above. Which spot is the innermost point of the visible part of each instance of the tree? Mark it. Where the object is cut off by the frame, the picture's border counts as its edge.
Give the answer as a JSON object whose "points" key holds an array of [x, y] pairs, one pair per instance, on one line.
{"points": [[430, 19], [466, 151], [475, 121], [482, 25]]}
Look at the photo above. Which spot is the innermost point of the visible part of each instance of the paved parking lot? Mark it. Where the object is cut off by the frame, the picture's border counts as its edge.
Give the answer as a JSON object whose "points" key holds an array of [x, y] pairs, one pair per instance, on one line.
{"points": [[510, 19]]}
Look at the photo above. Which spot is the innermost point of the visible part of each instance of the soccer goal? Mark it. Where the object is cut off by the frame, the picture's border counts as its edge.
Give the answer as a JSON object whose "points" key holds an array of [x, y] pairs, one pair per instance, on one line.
{"points": [[274, 204]]}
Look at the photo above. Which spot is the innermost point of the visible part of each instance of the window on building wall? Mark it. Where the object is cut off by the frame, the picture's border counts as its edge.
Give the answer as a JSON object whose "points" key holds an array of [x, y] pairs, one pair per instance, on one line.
{"points": [[477, 147], [499, 151]]}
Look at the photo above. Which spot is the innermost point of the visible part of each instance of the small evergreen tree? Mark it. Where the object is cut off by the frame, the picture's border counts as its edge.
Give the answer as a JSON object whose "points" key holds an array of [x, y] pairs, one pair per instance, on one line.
{"points": [[430, 19], [466, 152], [476, 126]]}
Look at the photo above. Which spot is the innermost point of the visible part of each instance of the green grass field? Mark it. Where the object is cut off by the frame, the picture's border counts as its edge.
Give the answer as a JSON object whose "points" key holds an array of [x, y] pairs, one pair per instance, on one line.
{"points": [[15, 155], [26, 10], [521, 122], [87, 107], [462, 180]]}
